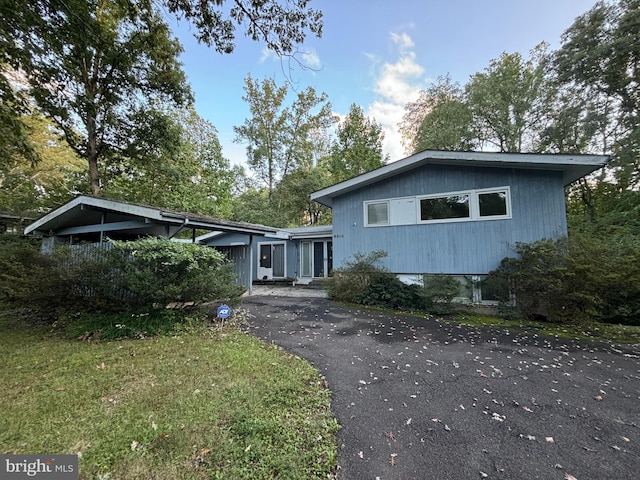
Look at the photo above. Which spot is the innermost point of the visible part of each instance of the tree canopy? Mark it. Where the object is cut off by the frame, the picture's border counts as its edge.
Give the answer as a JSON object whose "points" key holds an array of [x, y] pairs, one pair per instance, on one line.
{"points": [[357, 148]]}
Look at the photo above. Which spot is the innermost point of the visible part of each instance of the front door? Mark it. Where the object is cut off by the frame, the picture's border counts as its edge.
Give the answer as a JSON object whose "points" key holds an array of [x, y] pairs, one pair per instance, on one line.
{"points": [[271, 261], [316, 259]]}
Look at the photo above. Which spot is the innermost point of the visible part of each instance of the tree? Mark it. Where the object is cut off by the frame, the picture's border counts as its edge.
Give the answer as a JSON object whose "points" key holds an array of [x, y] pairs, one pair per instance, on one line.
{"points": [[280, 137], [448, 125], [293, 195], [280, 25], [415, 112], [358, 146], [29, 187], [94, 65], [185, 171], [600, 55], [509, 101]]}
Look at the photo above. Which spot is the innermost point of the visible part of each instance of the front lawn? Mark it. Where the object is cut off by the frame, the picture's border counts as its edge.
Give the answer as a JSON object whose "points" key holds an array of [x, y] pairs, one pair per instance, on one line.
{"points": [[191, 406]]}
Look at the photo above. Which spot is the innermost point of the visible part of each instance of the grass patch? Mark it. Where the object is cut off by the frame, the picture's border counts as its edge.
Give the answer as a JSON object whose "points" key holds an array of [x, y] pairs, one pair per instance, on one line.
{"points": [[190, 406], [600, 332]]}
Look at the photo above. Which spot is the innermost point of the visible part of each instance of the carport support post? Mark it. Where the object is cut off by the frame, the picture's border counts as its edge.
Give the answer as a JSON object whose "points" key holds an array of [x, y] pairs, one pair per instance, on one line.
{"points": [[250, 273]]}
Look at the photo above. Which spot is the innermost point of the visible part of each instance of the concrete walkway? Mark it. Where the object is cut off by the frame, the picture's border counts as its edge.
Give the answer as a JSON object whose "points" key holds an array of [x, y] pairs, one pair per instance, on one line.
{"points": [[421, 399]]}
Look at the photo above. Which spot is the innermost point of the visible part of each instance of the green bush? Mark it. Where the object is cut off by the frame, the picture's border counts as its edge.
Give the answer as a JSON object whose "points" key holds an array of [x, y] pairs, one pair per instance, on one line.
{"points": [[388, 291], [351, 280], [583, 278], [152, 273], [29, 279], [363, 281], [441, 290], [120, 278]]}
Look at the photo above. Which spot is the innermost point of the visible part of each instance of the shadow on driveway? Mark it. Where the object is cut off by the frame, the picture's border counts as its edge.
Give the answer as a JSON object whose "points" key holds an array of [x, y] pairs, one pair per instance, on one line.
{"points": [[421, 399]]}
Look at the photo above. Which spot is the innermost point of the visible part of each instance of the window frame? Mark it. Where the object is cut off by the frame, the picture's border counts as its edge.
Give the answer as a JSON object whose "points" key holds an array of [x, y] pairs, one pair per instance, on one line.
{"points": [[474, 205], [445, 195], [484, 191], [366, 213]]}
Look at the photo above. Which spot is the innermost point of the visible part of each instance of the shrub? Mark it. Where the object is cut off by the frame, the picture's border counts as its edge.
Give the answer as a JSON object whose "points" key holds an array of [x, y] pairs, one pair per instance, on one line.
{"points": [[579, 279], [28, 278], [441, 290], [388, 291], [351, 280], [362, 281], [151, 273]]}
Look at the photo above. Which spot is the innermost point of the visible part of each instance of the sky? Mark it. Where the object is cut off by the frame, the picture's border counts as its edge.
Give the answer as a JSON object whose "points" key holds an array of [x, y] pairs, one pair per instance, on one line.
{"points": [[377, 54]]}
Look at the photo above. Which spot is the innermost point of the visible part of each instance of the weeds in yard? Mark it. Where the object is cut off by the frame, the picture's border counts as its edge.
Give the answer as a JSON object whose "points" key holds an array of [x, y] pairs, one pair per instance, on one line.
{"points": [[200, 403]]}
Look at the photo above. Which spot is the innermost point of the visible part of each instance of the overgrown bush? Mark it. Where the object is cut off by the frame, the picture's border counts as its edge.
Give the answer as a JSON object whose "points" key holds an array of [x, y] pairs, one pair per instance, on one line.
{"points": [[362, 280], [151, 273], [578, 279], [441, 290], [388, 291], [127, 278], [351, 280], [29, 279]]}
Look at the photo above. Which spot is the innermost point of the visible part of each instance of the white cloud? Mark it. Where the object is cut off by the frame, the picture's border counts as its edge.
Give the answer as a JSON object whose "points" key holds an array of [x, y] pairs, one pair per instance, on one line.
{"points": [[396, 85], [311, 59], [308, 58], [403, 40]]}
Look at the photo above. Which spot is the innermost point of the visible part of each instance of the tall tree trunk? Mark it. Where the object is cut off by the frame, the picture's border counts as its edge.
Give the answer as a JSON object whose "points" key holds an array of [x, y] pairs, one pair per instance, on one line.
{"points": [[92, 156]]}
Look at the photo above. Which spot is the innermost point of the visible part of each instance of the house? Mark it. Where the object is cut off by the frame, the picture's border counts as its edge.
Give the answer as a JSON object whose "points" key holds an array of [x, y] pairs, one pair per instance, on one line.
{"points": [[434, 213], [259, 252], [453, 213], [88, 219], [297, 255]]}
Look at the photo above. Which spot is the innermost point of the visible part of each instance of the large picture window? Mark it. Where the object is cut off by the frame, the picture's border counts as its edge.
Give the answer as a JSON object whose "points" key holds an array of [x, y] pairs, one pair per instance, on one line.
{"points": [[486, 204], [445, 208]]}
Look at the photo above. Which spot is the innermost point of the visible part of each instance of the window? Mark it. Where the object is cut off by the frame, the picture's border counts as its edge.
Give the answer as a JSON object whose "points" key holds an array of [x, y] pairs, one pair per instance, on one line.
{"points": [[376, 213], [486, 204], [444, 208], [493, 204], [470, 205]]}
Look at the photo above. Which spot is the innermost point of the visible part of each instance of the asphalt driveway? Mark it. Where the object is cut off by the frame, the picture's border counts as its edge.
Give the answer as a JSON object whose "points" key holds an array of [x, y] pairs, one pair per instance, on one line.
{"points": [[421, 399]]}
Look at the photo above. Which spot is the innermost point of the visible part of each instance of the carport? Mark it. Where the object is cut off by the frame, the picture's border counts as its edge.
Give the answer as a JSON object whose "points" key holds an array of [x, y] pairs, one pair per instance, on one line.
{"points": [[95, 220]]}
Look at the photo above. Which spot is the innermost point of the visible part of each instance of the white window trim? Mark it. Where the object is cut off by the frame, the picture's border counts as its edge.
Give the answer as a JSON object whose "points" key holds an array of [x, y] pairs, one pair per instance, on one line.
{"points": [[474, 208], [366, 216], [443, 195], [507, 190]]}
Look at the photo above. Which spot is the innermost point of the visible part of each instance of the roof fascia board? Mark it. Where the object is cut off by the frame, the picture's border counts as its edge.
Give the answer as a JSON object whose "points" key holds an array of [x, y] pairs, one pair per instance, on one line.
{"points": [[560, 162]]}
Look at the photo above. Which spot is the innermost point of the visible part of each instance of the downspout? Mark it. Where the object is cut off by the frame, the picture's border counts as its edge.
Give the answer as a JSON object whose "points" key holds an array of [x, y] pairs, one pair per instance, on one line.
{"points": [[250, 278]]}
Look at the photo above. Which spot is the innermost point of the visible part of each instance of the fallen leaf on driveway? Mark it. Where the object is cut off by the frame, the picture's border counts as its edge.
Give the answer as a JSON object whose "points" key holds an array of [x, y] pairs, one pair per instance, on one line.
{"points": [[549, 439], [568, 476], [360, 454]]}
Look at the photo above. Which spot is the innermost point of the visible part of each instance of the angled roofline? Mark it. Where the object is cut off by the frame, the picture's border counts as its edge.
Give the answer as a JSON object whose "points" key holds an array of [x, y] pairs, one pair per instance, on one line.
{"points": [[156, 214], [573, 166]]}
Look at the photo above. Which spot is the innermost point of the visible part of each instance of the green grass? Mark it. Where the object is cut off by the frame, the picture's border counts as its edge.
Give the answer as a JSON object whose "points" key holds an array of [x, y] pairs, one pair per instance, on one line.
{"points": [[598, 332], [191, 406], [601, 332]]}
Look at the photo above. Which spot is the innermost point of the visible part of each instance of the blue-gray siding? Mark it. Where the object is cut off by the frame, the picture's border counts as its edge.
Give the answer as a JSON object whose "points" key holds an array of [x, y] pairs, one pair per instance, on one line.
{"points": [[471, 247], [292, 249]]}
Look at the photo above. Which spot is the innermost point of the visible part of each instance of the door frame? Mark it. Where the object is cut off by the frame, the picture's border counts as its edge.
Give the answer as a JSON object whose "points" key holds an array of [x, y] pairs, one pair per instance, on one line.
{"points": [[327, 258], [264, 272]]}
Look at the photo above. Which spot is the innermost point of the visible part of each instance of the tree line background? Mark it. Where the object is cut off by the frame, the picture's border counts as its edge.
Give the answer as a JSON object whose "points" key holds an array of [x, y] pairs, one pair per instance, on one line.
{"points": [[94, 101]]}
